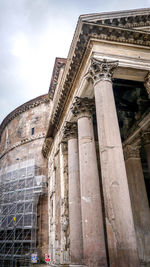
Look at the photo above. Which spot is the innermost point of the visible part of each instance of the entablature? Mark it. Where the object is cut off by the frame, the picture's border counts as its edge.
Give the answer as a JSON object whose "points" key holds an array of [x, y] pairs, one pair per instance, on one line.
{"points": [[84, 46]]}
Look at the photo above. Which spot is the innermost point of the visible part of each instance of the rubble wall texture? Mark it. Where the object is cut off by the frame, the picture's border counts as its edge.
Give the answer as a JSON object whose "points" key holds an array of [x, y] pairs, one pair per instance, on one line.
{"points": [[21, 138]]}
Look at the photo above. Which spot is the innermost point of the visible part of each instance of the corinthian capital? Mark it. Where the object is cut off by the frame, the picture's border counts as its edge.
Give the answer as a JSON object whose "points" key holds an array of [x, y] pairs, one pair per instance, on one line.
{"points": [[131, 151], [83, 107], [70, 130], [147, 84], [101, 70]]}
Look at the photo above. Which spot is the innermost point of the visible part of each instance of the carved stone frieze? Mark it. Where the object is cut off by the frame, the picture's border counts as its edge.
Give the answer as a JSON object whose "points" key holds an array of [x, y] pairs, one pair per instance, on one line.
{"points": [[100, 32], [147, 84], [101, 70], [131, 151], [82, 106], [70, 130]]}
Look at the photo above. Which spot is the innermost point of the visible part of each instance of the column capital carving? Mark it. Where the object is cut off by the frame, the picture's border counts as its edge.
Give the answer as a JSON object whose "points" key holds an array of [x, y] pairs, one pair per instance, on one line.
{"points": [[101, 70], [70, 130], [146, 137], [131, 151], [147, 84], [83, 107]]}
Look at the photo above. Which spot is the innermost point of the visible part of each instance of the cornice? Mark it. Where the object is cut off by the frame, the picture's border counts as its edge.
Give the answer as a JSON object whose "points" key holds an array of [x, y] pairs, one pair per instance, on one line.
{"points": [[26, 106], [91, 27], [22, 142], [59, 63], [124, 18], [46, 146], [101, 32]]}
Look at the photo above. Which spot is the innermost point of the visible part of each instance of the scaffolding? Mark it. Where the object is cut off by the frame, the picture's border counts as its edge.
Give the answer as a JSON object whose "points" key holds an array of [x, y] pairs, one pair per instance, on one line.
{"points": [[20, 188]]}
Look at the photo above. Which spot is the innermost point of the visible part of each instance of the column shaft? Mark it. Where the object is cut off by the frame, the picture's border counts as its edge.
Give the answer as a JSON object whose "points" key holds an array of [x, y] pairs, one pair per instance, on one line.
{"points": [[119, 219], [64, 255], [76, 247], [147, 149], [146, 143], [92, 221], [139, 201]]}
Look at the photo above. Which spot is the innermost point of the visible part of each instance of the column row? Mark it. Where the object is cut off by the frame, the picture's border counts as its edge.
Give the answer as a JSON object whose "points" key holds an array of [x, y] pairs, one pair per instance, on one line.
{"points": [[120, 229], [84, 189]]}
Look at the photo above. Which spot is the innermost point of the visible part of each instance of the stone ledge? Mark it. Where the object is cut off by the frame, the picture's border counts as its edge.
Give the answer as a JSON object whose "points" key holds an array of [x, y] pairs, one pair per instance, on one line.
{"points": [[22, 142], [23, 108]]}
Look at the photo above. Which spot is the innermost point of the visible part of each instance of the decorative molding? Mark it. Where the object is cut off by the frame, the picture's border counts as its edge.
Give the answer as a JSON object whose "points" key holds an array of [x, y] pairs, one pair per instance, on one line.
{"points": [[101, 70], [127, 19], [22, 142], [46, 146], [59, 63], [83, 107], [90, 30], [131, 151], [147, 84], [70, 130], [26, 106]]}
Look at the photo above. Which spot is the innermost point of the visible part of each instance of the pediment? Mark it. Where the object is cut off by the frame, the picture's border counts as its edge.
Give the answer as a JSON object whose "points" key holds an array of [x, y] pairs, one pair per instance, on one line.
{"points": [[131, 19]]}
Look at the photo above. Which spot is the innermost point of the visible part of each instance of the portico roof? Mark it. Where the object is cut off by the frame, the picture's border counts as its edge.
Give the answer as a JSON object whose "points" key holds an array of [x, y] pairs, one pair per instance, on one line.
{"points": [[131, 27]]}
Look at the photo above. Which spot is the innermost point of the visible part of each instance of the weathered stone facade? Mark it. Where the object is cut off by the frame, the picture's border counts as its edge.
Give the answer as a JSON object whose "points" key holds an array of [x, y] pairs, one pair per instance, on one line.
{"points": [[23, 172], [97, 144], [94, 132]]}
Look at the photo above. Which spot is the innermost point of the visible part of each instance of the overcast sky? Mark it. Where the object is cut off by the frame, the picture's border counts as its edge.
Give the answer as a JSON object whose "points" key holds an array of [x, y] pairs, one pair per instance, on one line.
{"points": [[32, 34]]}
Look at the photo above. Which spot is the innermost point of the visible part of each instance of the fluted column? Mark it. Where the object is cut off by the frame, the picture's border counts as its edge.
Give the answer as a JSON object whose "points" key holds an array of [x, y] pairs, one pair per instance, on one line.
{"points": [[122, 244], [139, 201], [92, 222], [75, 220]]}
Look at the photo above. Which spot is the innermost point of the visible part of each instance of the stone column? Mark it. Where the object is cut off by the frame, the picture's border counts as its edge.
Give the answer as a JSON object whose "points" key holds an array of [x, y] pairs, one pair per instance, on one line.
{"points": [[121, 237], [139, 201], [146, 143], [64, 251], [94, 252], [75, 220], [51, 205]]}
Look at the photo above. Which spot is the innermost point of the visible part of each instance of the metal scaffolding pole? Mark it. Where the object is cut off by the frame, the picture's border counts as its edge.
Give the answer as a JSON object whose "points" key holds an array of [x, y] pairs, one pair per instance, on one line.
{"points": [[20, 188]]}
